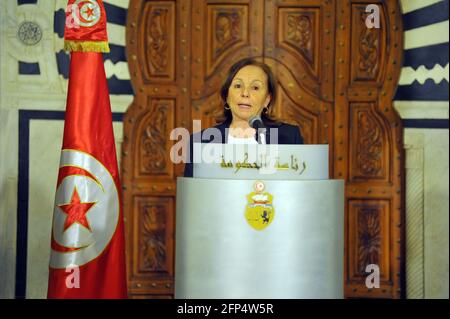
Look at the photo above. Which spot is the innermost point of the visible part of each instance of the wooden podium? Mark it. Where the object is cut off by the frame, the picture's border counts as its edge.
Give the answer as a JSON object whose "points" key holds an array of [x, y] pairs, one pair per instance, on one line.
{"points": [[298, 252]]}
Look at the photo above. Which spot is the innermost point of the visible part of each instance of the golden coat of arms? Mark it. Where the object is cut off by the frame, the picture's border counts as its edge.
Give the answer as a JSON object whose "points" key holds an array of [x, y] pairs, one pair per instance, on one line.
{"points": [[259, 210]]}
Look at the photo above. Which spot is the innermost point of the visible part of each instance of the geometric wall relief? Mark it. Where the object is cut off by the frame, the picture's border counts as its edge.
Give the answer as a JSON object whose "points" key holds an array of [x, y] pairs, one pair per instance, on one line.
{"points": [[437, 74], [27, 41], [424, 75]]}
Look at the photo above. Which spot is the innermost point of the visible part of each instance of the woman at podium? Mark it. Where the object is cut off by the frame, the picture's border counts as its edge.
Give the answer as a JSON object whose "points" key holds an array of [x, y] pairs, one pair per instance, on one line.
{"points": [[248, 95]]}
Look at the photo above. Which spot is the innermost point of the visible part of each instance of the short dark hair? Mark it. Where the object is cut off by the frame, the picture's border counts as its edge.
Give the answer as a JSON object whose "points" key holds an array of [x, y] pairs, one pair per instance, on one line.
{"points": [[227, 116]]}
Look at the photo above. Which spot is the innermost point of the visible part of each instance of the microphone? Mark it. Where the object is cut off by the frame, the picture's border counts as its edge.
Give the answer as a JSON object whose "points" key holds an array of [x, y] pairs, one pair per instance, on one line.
{"points": [[257, 123]]}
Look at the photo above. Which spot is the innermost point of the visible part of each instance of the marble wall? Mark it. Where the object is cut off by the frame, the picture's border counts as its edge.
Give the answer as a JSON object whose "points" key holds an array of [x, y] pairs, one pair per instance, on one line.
{"points": [[422, 102]]}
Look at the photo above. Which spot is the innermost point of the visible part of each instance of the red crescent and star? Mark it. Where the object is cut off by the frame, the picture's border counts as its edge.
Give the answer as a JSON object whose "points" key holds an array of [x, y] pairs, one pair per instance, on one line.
{"points": [[89, 12], [76, 211]]}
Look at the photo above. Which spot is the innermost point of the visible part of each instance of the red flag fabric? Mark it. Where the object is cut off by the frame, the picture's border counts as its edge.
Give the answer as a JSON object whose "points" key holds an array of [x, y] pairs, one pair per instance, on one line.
{"points": [[87, 257], [85, 28]]}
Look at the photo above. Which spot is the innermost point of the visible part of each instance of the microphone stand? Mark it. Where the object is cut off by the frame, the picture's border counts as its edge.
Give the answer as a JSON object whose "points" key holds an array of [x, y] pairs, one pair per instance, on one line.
{"points": [[258, 125], [261, 135]]}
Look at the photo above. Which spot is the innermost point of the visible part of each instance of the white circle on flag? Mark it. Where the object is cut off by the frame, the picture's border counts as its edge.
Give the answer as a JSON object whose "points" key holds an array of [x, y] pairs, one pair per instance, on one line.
{"points": [[87, 12], [78, 245]]}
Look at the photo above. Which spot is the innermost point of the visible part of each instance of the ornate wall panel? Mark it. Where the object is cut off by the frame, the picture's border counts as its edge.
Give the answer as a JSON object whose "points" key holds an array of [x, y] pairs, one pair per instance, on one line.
{"points": [[154, 222], [227, 31], [153, 156], [368, 139], [158, 41], [295, 48], [158, 53], [369, 226], [368, 46], [298, 32], [368, 147]]}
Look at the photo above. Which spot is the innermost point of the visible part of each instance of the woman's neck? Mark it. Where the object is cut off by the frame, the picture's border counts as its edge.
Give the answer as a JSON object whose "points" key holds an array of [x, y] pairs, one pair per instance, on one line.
{"points": [[238, 123], [241, 129]]}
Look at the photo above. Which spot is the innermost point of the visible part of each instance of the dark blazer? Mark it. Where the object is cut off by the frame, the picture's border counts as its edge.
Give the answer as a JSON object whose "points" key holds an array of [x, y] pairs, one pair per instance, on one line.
{"points": [[287, 134]]}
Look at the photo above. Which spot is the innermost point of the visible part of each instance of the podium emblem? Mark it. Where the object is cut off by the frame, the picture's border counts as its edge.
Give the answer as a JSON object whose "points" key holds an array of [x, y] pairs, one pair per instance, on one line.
{"points": [[259, 211]]}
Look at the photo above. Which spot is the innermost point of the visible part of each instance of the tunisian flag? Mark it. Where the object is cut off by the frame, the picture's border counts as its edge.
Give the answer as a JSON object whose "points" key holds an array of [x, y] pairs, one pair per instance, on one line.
{"points": [[87, 242]]}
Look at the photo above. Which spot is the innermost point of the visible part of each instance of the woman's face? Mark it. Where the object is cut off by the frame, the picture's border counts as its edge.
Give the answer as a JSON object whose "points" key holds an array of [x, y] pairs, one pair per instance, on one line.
{"points": [[248, 93]]}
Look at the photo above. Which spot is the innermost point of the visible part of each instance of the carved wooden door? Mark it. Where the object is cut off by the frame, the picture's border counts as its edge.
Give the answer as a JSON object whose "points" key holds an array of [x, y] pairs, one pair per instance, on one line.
{"points": [[336, 80]]}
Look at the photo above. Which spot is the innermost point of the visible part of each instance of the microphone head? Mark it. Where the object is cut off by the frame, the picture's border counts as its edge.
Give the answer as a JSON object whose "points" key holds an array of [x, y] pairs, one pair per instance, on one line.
{"points": [[256, 122]]}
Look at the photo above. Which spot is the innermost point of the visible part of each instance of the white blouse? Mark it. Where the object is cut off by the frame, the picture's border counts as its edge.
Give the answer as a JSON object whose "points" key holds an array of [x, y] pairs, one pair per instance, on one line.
{"points": [[241, 140]]}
